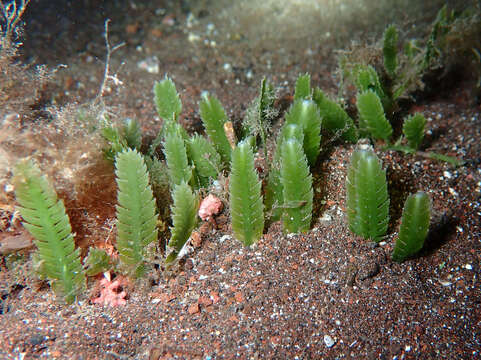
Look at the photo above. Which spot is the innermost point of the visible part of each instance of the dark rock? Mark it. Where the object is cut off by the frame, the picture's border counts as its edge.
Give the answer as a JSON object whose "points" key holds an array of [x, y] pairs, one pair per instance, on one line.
{"points": [[36, 339]]}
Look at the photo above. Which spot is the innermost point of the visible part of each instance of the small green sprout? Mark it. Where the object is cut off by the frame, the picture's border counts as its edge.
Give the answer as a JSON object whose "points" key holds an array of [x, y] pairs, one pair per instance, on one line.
{"points": [[413, 129], [414, 226], [184, 218], [367, 198], [303, 88], [371, 116]]}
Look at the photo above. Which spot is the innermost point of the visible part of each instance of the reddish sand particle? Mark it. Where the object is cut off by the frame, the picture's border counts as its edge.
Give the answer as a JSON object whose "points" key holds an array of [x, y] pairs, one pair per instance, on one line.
{"points": [[193, 309]]}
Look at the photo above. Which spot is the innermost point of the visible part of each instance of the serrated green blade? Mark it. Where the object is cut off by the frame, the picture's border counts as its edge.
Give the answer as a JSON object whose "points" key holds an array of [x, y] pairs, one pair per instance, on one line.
{"points": [[46, 219], [184, 218], [303, 87], [413, 130], [414, 226], [136, 217], [296, 188], [246, 206], [390, 50], [306, 114], [367, 198], [334, 118], [176, 157], [372, 117], [167, 99], [213, 117]]}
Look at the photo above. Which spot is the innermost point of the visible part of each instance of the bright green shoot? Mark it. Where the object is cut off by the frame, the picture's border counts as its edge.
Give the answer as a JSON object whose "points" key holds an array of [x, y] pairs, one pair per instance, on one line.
{"points": [[246, 207], [366, 196], [136, 217], [414, 226], [46, 219], [296, 181], [214, 118]]}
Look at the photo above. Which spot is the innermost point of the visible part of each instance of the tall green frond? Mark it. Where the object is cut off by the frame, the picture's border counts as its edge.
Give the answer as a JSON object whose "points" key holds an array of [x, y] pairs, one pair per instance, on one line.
{"points": [[167, 100], [184, 218], [367, 198], [136, 217], [303, 87], [214, 117], [274, 199], [46, 219], [390, 50], [206, 160], [246, 206], [306, 114], [413, 129], [414, 226], [334, 118], [372, 117], [296, 187], [176, 157]]}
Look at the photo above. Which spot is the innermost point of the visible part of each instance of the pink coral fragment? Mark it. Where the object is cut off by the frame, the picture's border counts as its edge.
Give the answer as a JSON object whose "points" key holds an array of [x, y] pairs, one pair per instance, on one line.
{"points": [[211, 205], [110, 295]]}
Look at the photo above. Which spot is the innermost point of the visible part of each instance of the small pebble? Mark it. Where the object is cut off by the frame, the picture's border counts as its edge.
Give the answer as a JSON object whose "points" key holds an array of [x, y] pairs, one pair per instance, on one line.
{"points": [[329, 341], [36, 339], [151, 65], [189, 264], [193, 309], [326, 218], [9, 188], [210, 28], [445, 283], [224, 238], [193, 37], [453, 192], [468, 267]]}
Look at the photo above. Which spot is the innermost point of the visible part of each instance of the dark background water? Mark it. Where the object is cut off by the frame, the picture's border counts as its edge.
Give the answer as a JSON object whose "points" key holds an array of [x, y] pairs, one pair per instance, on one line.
{"points": [[57, 30]]}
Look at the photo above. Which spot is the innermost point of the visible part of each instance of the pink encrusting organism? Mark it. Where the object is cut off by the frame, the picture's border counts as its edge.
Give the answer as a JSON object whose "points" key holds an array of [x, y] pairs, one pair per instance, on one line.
{"points": [[211, 205], [110, 295]]}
